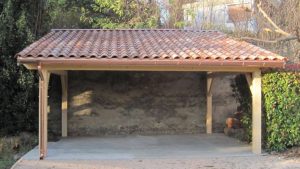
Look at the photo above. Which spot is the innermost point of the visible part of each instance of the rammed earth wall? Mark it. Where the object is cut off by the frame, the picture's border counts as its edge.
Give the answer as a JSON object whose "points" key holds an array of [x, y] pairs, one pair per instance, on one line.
{"points": [[111, 103]]}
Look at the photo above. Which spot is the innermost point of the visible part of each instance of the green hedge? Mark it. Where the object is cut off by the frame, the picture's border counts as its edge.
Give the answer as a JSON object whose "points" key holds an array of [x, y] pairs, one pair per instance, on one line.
{"points": [[281, 92]]}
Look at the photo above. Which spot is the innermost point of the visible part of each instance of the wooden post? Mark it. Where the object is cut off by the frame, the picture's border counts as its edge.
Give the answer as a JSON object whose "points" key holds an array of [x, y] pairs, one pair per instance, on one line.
{"points": [[64, 104], [44, 76], [256, 112], [209, 104]]}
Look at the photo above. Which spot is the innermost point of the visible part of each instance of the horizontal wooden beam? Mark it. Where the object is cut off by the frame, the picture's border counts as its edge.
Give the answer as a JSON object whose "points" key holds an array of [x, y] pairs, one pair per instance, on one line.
{"points": [[147, 68], [58, 72], [222, 74]]}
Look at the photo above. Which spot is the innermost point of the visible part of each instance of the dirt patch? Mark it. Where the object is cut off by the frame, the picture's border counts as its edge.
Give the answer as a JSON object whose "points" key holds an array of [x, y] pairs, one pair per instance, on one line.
{"points": [[293, 152]]}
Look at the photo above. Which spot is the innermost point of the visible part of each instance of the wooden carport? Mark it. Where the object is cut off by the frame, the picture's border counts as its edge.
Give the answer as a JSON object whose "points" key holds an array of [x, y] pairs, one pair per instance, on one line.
{"points": [[145, 50]]}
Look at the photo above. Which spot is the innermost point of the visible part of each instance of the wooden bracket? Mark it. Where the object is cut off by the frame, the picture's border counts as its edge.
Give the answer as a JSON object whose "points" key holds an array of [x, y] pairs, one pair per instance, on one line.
{"points": [[209, 85], [249, 80], [210, 80], [40, 72]]}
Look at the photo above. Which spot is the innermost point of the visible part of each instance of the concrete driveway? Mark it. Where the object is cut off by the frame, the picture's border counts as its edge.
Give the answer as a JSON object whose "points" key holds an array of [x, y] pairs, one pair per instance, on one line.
{"points": [[165, 151]]}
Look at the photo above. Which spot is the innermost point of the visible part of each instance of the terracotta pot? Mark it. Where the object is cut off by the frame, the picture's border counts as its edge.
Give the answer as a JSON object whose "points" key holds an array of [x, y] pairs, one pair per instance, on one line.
{"points": [[233, 123]]}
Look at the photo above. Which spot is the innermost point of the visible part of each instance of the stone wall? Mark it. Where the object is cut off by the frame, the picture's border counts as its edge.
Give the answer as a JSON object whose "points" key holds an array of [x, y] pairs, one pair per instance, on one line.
{"points": [[110, 103], [54, 99], [224, 104]]}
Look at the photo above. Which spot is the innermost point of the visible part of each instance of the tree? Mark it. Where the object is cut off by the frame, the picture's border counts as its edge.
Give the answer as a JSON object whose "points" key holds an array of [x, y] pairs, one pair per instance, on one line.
{"points": [[67, 14], [18, 108], [22, 22], [278, 27], [122, 14]]}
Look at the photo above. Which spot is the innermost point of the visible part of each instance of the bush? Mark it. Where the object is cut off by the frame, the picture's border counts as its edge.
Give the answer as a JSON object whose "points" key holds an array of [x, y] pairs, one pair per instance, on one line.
{"points": [[282, 104], [281, 108]]}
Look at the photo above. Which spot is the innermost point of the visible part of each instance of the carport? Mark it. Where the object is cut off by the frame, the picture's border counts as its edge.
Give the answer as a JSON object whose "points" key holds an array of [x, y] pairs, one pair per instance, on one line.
{"points": [[63, 50]]}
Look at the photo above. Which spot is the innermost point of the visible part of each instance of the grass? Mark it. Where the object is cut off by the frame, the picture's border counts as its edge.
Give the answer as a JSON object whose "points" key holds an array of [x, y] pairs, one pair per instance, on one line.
{"points": [[11, 148], [6, 161]]}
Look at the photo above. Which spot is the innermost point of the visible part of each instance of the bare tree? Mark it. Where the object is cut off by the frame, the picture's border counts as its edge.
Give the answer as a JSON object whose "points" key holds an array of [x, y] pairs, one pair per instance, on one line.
{"points": [[278, 27]]}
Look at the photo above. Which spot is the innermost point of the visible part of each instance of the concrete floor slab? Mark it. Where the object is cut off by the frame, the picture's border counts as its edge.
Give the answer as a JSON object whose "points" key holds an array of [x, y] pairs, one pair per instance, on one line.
{"points": [[143, 147]]}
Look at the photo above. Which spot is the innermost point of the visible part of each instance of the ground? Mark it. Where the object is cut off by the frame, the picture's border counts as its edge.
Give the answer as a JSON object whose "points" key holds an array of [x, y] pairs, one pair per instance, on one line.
{"points": [[165, 151], [253, 162]]}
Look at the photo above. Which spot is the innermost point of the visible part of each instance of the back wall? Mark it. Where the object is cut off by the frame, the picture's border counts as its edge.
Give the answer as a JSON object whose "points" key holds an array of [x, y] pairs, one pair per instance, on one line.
{"points": [[116, 103]]}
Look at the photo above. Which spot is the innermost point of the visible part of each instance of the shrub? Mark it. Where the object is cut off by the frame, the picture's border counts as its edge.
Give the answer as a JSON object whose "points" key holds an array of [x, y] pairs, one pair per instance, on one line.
{"points": [[281, 108], [282, 104]]}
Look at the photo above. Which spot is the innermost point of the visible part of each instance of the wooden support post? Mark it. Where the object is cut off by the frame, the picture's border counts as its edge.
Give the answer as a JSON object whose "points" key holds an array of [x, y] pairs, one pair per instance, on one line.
{"points": [[209, 104], [43, 111], [64, 104], [256, 112]]}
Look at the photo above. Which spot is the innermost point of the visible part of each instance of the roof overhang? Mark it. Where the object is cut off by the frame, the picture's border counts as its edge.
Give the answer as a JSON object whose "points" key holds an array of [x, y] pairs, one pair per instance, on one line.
{"points": [[149, 65]]}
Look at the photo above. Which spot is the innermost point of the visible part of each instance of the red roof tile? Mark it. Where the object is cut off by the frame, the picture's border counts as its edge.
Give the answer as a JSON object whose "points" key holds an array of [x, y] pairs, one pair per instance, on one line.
{"points": [[140, 44]]}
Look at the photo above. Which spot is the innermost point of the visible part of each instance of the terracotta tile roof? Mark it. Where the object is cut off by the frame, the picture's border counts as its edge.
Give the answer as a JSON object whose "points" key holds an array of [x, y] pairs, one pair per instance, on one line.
{"points": [[146, 45]]}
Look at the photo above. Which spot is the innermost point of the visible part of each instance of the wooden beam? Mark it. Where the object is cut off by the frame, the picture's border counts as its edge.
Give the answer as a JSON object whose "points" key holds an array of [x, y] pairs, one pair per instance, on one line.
{"points": [[148, 68], [43, 112], [256, 112], [209, 104], [31, 66], [222, 74], [64, 104], [58, 72], [156, 68]]}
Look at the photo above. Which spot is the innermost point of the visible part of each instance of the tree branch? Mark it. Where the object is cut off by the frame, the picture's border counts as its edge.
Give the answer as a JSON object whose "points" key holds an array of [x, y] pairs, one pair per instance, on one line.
{"points": [[270, 41], [277, 29]]}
